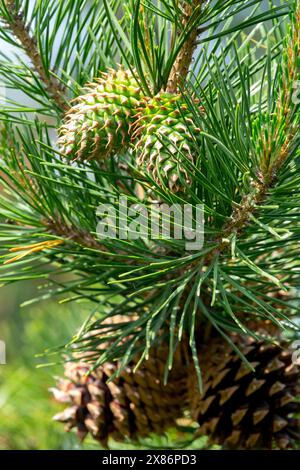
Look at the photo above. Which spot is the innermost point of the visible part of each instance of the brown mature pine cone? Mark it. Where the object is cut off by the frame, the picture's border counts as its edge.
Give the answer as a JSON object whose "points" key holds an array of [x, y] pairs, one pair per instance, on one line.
{"points": [[241, 409], [130, 406]]}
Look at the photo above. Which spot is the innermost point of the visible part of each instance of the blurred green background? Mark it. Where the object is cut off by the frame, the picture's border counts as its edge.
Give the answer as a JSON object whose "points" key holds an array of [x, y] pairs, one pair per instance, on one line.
{"points": [[26, 406]]}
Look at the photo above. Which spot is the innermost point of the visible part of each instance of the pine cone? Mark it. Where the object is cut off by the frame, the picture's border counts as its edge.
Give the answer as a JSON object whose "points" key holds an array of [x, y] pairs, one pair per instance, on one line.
{"points": [[132, 405], [241, 409], [163, 132], [98, 125]]}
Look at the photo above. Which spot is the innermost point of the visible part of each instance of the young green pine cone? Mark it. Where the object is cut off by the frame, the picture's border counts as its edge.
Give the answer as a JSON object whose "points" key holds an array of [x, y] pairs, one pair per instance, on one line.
{"points": [[98, 125], [164, 132]]}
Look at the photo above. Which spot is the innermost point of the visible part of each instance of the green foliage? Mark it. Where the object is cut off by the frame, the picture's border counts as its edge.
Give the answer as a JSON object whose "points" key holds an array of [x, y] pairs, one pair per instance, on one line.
{"points": [[153, 33], [48, 207]]}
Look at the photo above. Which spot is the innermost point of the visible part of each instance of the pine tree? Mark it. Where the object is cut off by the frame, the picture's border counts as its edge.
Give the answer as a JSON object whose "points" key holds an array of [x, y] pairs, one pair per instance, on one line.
{"points": [[185, 102]]}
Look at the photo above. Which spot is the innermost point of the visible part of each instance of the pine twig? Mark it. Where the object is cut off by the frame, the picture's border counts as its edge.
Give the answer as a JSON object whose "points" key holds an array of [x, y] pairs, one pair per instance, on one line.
{"points": [[274, 139], [279, 132], [183, 61], [283, 117], [15, 22], [82, 237]]}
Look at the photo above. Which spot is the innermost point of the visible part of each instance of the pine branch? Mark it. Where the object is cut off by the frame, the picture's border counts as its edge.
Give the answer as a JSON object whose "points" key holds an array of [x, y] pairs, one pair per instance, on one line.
{"points": [[274, 141], [183, 61], [280, 130], [163, 269], [82, 237], [55, 225], [15, 22]]}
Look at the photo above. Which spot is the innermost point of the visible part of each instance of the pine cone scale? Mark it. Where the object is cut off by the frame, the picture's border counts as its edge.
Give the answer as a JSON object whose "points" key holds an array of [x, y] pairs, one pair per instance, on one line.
{"points": [[246, 410]]}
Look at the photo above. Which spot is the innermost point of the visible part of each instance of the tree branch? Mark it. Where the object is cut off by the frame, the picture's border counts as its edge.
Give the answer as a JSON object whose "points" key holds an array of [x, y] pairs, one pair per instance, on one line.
{"points": [[15, 22], [281, 129], [84, 238], [183, 61]]}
